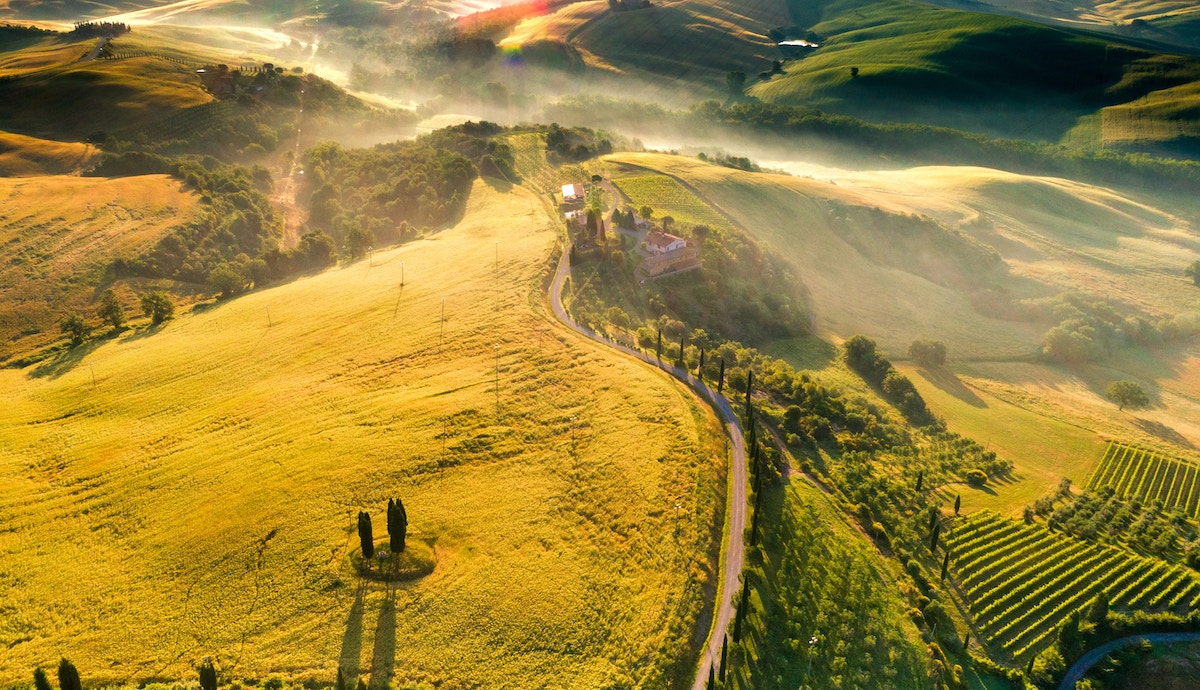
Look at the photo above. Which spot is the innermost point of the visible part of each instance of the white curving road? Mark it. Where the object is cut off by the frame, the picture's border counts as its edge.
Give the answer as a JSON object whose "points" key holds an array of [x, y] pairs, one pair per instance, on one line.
{"points": [[733, 551]]}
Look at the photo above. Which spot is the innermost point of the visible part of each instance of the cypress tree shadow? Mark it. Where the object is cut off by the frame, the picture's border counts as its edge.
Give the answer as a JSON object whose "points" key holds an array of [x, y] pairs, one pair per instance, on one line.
{"points": [[352, 639], [383, 662]]}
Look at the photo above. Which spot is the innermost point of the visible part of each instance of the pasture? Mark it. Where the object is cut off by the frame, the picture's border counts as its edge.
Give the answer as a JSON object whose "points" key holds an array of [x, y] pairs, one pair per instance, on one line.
{"points": [[197, 497]]}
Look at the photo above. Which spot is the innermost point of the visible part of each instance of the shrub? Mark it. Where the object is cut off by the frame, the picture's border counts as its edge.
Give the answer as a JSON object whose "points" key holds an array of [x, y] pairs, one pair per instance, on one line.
{"points": [[976, 477]]}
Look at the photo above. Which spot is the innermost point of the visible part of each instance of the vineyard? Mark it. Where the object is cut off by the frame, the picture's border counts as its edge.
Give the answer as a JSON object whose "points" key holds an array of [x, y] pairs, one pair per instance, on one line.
{"points": [[1021, 580], [1144, 474], [669, 198]]}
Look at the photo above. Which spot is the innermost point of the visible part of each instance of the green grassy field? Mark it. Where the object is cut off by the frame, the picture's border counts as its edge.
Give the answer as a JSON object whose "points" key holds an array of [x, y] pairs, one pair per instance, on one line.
{"points": [[59, 234], [198, 498], [1021, 581], [820, 579], [668, 198], [968, 70]]}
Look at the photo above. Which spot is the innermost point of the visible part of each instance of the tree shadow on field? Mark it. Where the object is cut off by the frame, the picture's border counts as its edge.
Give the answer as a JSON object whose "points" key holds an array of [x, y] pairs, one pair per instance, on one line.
{"points": [[65, 360], [383, 661], [947, 382], [352, 639], [1164, 432]]}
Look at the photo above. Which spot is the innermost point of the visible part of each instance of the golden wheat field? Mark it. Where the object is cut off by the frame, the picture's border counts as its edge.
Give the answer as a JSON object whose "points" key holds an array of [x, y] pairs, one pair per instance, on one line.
{"points": [[191, 490]]}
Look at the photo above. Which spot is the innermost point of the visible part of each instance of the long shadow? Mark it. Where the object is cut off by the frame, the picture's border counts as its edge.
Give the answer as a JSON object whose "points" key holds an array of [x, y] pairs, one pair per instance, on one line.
{"points": [[383, 662], [945, 381], [1164, 432], [352, 639]]}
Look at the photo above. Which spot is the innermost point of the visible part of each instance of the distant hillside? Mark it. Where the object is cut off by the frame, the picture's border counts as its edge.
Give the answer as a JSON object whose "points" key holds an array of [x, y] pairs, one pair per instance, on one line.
{"points": [[893, 61], [1174, 22], [676, 48]]}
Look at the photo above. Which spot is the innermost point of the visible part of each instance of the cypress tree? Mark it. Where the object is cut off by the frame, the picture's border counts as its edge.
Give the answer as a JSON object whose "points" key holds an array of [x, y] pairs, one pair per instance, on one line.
{"points": [[365, 539], [721, 379], [933, 516], [208, 675], [945, 565], [724, 656], [682, 352], [934, 538], [658, 348], [341, 681], [361, 685], [397, 524], [920, 480], [749, 387], [40, 681], [700, 368], [957, 503], [966, 641], [1029, 668], [712, 678], [68, 677]]}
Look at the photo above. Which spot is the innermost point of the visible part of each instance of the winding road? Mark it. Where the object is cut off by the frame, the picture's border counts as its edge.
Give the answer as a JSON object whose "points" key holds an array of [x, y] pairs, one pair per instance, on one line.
{"points": [[1081, 667], [733, 551]]}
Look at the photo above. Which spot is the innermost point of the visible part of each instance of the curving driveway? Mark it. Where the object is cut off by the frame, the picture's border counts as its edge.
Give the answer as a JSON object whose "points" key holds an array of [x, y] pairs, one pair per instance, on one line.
{"points": [[733, 552], [1081, 667]]}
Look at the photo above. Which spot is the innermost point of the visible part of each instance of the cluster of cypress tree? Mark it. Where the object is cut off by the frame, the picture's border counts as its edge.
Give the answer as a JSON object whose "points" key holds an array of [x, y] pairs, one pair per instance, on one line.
{"points": [[397, 527], [68, 677]]}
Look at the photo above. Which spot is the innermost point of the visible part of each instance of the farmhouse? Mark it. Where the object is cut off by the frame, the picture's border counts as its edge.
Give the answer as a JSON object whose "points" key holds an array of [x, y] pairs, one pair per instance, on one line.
{"points": [[573, 192], [662, 243]]}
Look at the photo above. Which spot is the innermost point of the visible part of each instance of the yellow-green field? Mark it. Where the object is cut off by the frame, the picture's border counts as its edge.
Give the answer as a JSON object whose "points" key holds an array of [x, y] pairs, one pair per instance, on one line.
{"points": [[58, 234], [22, 156], [199, 498]]}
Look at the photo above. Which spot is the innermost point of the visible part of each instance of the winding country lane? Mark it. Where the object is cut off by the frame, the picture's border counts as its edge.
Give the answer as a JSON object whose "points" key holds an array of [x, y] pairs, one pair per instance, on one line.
{"points": [[733, 550], [1081, 667]]}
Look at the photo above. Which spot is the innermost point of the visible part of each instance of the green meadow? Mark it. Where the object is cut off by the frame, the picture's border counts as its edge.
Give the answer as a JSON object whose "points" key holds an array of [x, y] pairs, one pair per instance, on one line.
{"points": [[190, 490]]}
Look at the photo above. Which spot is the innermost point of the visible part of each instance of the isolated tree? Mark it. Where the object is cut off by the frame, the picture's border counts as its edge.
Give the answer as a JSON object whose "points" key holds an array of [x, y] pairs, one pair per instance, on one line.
{"points": [[920, 480], [646, 212], [366, 539], [1098, 612], [77, 328], [157, 306], [226, 280], [736, 81], [40, 681], [208, 675], [397, 524], [110, 309], [1126, 394], [658, 348], [68, 677], [700, 366], [928, 353], [721, 378], [666, 223], [1193, 272], [854, 73], [957, 503], [976, 477]]}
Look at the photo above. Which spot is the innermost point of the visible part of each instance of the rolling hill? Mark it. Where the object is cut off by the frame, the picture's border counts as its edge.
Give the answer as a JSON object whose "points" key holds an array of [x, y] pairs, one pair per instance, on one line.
{"points": [[174, 509], [58, 237], [986, 73]]}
